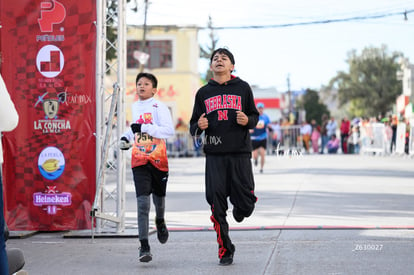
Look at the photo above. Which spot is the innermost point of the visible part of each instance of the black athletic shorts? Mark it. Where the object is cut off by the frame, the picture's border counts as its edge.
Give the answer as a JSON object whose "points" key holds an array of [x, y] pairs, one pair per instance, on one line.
{"points": [[149, 179], [259, 143]]}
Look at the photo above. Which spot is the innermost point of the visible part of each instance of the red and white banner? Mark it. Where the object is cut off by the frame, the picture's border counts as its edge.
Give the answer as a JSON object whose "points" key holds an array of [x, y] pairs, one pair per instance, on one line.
{"points": [[48, 63]]}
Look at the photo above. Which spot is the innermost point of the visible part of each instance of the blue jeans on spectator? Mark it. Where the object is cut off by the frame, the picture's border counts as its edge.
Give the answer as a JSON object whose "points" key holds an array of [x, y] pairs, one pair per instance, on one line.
{"points": [[333, 150], [324, 141], [4, 265]]}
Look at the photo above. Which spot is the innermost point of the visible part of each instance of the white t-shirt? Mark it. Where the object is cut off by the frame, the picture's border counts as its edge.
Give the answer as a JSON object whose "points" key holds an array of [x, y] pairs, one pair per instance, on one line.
{"points": [[8, 114], [156, 126]]}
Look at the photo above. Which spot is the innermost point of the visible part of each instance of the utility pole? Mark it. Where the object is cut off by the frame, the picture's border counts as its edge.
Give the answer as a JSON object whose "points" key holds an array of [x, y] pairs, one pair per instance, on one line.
{"points": [[289, 94], [144, 37]]}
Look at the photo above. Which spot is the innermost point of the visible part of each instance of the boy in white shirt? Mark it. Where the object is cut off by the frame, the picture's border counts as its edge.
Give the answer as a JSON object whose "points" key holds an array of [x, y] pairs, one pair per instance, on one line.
{"points": [[152, 125]]}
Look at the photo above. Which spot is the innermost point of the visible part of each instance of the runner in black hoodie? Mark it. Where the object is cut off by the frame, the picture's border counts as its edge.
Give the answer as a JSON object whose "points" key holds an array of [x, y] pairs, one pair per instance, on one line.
{"points": [[225, 110]]}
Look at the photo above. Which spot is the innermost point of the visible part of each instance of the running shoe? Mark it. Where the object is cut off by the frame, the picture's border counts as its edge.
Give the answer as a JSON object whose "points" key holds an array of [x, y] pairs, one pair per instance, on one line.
{"points": [[237, 215], [145, 255], [227, 258], [162, 231]]}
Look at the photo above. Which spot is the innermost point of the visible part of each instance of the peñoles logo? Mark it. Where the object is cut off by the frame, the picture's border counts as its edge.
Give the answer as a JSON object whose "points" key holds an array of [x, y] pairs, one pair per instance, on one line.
{"points": [[51, 13]]}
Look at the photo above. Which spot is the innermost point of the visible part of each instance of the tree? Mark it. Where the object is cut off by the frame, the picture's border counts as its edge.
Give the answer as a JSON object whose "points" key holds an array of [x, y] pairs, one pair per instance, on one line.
{"points": [[207, 52], [371, 85], [313, 107], [111, 34]]}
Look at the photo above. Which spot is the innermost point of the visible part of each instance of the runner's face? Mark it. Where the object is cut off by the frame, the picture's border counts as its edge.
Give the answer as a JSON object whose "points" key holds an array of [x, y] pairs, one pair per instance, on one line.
{"points": [[221, 63], [145, 89]]}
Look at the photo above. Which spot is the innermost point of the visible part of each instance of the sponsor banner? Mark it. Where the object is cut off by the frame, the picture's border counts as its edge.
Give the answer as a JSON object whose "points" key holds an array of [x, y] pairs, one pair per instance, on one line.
{"points": [[48, 63]]}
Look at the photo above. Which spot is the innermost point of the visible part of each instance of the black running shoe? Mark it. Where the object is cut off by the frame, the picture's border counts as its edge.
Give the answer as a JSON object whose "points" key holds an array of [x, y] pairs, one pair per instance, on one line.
{"points": [[145, 255], [162, 231], [227, 258], [237, 216]]}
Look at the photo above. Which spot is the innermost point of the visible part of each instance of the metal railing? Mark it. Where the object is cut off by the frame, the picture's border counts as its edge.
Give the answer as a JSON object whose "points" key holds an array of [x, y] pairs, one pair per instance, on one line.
{"points": [[371, 139]]}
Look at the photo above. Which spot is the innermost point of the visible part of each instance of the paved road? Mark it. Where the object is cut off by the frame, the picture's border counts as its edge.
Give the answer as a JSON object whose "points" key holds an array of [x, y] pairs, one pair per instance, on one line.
{"points": [[316, 214]]}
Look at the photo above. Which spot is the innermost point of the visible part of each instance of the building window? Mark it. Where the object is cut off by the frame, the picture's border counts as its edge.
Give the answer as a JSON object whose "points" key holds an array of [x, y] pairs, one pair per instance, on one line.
{"points": [[160, 52]]}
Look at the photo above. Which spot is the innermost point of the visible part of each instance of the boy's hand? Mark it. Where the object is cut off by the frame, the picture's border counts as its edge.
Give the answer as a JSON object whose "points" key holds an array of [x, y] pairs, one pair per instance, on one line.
{"points": [[124, 144], [242, 119], [203, 122]]}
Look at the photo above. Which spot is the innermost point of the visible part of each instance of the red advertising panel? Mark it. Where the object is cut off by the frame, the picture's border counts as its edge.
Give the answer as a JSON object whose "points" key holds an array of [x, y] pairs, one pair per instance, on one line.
{"points": [[48, 63]]}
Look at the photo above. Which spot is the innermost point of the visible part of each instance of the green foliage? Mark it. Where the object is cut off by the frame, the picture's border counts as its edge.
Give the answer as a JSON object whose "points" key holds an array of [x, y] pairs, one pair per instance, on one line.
{"points": [[206, 52], [313, 107], [371, 85], [111, 34]]}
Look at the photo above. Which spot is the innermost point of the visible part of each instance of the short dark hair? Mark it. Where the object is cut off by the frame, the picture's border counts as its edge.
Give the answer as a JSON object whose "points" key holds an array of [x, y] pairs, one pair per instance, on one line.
{"points": [[223, 51], [149, 76]]}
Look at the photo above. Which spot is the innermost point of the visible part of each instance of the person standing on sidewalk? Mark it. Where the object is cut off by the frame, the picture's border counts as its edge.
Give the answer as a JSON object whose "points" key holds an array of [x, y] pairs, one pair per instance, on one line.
{"points": [[8, 121], [345, 129], [152, 124], [259, 136], [394, 125], [224, 110], [324, 132], [331, 127], [315, 136], [306, 132]]}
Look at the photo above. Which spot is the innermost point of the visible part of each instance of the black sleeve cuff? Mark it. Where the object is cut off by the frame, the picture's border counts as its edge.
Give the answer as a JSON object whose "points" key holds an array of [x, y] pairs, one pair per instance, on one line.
{"points": [[136, 128]]}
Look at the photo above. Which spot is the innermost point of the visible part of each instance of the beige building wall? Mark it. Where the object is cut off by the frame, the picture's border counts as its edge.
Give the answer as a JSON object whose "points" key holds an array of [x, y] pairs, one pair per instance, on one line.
{"points": [[176, 85]]}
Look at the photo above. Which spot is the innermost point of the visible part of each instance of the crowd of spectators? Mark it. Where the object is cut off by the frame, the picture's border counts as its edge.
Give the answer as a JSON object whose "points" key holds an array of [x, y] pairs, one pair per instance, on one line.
{"points": [[341, 136], [331, 136]]}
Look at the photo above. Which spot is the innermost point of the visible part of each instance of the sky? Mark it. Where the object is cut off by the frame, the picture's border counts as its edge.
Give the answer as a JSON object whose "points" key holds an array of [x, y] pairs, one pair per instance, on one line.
{"points": [[305, 56]]}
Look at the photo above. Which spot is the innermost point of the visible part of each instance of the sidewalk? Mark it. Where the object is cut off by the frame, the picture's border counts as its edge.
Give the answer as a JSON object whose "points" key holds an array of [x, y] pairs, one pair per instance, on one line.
{"points": [[316, 214]]}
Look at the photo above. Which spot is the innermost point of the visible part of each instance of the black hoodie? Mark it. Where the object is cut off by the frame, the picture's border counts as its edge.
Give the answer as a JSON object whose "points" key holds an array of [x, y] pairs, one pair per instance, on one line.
{"points": [[220, 102]]}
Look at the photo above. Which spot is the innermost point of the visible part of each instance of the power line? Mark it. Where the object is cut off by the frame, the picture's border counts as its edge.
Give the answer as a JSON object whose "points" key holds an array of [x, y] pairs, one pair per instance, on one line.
{"points": [[316, 22]]}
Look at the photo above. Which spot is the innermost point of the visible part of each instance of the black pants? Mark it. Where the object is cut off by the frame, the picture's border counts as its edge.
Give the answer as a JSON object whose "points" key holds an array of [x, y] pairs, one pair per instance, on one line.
{"points": [[228, 176], [4, 269]]}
